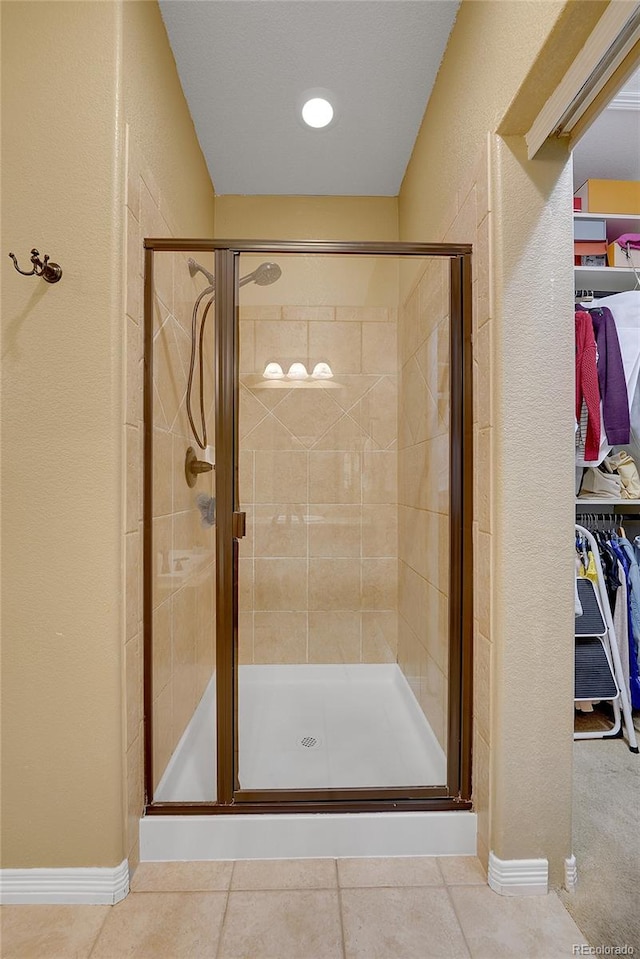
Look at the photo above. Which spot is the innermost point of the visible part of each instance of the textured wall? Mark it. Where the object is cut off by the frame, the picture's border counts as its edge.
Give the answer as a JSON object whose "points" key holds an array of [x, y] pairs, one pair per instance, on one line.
{"points": [[62, 344]]}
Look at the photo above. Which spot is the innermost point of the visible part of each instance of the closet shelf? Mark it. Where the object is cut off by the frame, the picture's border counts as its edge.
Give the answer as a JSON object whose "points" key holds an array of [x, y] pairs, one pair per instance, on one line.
{"points": [[580, 501], [610, 279]]}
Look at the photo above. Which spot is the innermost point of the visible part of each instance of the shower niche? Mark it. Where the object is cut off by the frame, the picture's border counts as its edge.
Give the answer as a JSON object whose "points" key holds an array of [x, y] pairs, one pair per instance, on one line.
{"points": [[308, 606]]}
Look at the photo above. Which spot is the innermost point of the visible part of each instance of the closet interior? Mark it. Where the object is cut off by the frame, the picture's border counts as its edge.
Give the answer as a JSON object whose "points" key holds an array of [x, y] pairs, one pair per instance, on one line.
{"points": [[607, 428]]}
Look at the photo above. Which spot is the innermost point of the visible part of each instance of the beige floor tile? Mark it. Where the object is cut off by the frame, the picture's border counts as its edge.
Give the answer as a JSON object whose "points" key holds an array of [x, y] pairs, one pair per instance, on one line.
{"points": [[178, 925], [297, 924], [284, 874], [396, 871], [182, 877], [406, 923], [50, 932], [462, 870], [529, 927]]}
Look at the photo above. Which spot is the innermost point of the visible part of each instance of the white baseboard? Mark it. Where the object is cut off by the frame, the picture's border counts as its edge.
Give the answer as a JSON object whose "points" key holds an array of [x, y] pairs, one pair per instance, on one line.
{"points": [[570, 874], [518, 877], [95, 886]]}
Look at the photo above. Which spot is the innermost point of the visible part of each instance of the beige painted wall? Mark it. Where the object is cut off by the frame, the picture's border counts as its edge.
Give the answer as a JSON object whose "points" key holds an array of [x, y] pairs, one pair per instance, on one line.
{"points": [[62, 414], [523, 357], [65, 621]]}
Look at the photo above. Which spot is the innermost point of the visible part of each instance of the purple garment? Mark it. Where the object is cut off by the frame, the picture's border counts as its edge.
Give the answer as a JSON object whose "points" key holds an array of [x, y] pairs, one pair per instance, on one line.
{"points": [[611, 378]]}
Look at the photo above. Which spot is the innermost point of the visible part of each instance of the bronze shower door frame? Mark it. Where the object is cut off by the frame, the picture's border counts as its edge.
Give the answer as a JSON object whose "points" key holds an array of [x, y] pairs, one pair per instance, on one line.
{"points": [[230, 797]]}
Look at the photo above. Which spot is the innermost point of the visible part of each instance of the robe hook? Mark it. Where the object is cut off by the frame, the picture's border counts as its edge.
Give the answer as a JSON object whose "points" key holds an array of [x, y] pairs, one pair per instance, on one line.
{"points": [[51, 272]]}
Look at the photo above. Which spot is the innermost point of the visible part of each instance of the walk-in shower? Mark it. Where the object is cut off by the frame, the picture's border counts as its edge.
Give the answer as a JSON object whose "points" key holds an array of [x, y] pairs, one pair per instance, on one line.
{"points": [[308, 645]]}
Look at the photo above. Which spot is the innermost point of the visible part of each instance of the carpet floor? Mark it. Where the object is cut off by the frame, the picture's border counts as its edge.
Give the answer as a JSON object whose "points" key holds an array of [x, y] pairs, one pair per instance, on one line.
{"points": [[606, 843]]}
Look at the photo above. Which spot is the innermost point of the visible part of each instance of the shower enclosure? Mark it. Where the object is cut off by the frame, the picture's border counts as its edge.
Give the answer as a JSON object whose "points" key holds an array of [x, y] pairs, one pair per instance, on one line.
{"points": [[307, 526]]}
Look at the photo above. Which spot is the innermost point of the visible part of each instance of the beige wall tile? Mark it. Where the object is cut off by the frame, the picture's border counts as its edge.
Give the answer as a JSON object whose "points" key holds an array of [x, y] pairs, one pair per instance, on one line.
{"points": [[162, 651], [338, 344], [245, 637], [483, 353], [321, 314], [482, 582], [280, 584], [280, 531], [280, 342], [379, 480], [132, 583], [133, 479], [246, 584], [346, 434], [482, 685], [379, 583], [380, 530], [133, 671], [135, 792], [335, 477], [280, 637], [334, 636], [251, 411], [334, 584], [361, 314], [281, 476], [134, 373], [482, 471], [163, 269], [162, 472], [379, 636], [308, 414], [134, 269], [481, 791], [334, 530], [379, 348], [162, 732], [377, 412], [270, 434], [433, 696], [248, 312], [247, 353], [163, 581]]}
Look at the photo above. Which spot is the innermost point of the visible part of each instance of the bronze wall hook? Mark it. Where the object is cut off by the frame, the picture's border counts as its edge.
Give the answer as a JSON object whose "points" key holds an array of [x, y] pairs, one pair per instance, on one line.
{"points": [[51, 272]]}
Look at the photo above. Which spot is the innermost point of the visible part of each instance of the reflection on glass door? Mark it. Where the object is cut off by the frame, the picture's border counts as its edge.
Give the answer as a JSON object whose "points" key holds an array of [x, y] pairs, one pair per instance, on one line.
{"points": [[182, 493], [343, 423]]}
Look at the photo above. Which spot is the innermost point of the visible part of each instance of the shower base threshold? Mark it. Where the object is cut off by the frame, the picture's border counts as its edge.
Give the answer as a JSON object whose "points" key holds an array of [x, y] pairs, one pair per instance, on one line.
{"points": [[389, 744], [307, 836]]}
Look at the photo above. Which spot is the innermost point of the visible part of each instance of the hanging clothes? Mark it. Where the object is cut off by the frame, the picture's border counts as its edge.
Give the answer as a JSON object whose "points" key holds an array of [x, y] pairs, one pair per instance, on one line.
{"points": [[587, 387], [611, 378]]}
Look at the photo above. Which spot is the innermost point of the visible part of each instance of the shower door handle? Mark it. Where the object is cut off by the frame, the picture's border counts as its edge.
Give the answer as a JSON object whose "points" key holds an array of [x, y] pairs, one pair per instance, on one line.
{"points": [[239, 525]]}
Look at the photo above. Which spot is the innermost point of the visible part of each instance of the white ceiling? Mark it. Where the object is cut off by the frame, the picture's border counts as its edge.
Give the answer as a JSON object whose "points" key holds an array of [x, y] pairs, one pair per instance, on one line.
{"points": [[246, 64]]}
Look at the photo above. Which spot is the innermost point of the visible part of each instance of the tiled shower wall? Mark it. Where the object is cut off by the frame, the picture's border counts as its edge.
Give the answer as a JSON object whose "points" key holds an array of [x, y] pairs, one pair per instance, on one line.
{"points": [[423, 493], [183, 549], [318, 480]]}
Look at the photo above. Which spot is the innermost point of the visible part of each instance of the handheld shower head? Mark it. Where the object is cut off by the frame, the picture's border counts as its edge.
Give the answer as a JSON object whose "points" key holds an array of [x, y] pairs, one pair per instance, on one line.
{"points": [[196, 268], [263, 275]]}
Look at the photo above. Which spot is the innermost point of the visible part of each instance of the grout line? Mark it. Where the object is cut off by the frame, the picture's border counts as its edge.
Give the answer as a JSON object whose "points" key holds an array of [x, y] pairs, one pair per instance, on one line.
{"points": [[224, 914], [455, 912], [340, 911], [100, 930]]}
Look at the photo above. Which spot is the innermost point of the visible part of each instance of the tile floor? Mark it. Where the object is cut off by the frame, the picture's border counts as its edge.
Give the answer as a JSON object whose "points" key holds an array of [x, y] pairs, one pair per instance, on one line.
{"points": [[405, 908]]}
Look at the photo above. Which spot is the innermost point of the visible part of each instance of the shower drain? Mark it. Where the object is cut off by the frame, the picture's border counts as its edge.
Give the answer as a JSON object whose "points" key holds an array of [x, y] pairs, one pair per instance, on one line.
{"points": [[309, 742]]}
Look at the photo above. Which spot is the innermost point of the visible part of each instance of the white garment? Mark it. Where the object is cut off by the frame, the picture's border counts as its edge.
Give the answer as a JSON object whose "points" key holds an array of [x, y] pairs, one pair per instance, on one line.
{"points": [[621, 625]]}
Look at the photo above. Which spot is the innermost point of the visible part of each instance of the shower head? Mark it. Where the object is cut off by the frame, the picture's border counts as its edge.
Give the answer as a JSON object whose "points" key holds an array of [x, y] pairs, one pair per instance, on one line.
{"points": [[263, 275], [196, 268]]}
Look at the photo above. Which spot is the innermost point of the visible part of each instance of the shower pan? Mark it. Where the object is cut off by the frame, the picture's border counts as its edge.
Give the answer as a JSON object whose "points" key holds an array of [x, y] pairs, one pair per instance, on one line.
{"points": [[307, 583]]}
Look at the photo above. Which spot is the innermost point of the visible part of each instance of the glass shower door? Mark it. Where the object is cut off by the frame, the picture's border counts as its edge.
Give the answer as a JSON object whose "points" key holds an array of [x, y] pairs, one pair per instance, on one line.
{"points": [[343, 577]]}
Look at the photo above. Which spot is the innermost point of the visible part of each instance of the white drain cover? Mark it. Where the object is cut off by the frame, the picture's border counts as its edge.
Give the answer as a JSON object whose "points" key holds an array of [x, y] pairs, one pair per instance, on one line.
{"points": [[309, 742]]}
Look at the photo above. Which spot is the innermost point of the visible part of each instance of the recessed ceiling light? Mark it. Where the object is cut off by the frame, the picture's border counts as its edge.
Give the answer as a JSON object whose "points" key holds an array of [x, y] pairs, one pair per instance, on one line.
{"points": [[317, 112]]}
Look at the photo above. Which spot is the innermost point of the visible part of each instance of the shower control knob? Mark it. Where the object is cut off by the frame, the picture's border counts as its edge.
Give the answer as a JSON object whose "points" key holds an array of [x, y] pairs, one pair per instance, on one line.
{"points": [[193, 466]]}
